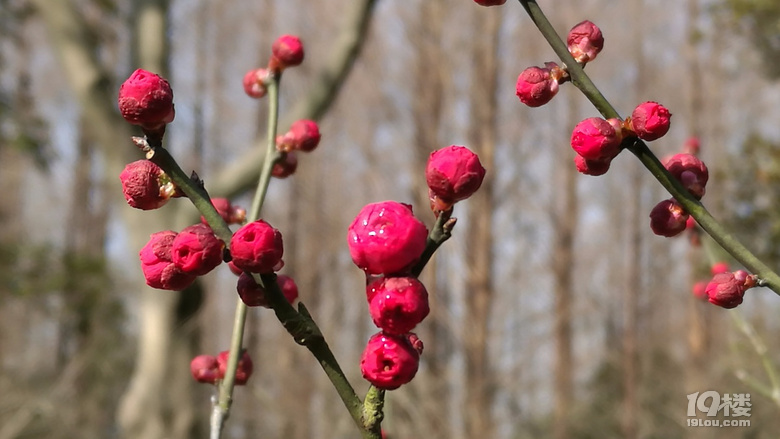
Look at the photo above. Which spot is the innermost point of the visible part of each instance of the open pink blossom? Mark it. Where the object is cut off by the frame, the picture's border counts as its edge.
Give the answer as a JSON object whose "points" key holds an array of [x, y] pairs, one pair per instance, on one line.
{"points": [[386, 238], [389, 361], [146, 99]]}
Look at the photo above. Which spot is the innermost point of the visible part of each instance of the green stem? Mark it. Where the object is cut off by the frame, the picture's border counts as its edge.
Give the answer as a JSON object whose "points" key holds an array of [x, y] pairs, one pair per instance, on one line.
{"points": [[373, 411], [441, 231], [719, 233]]}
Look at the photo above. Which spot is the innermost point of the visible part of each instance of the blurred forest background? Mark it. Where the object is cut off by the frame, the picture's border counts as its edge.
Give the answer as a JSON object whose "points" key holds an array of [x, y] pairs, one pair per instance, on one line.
{"points": [[556, 313]]}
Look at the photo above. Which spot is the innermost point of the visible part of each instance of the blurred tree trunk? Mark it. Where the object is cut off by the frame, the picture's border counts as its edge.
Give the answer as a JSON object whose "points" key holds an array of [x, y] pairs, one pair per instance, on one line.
{"points": [[482, 137], [565, 217]]}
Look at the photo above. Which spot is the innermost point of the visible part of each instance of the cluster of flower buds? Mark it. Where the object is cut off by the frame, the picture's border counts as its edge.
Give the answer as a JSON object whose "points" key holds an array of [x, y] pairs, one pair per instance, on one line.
{"points": [[210, 369], [668, 218], [386, 240], [537, 86], [172, 261], [303, 135], [286, 51], [726, 288]]}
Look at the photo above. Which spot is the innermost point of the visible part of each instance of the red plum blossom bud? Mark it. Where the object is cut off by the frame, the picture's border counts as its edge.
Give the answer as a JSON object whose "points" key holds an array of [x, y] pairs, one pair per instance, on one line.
{"points": [[305, 135], [205, 369], [197, 250], [668, 218], [719, 267], [232, 214], [597, 139], [146, 99], [385, 237], [243, 370], [453, 173], [145, 185], [585, 41], [398, 304], [257, 248], [286, 51], [490, 2], [286, 166], [726, 290], [699, 290], [255, 83], [690, 171], [591, 167], [537, 86], [416, 343], [159, 271], [389, 361], [650, 120], [253, 294]]}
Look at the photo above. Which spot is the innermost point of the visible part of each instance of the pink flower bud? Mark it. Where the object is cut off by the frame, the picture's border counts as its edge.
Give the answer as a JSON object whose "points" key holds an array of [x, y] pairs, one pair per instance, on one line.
{"points": [[205, 369], [197, 250], [159, 271], [286, 166], [668, 218], [257, 247], [699, 290], [255, 83], [385, 237], [304, 135], [146, 99], [243, 370], [719, 267], [597, 139], [690, 171], [725, 290], [389, 361], [145, 185], [585, 41], [453, 173], [650, 120], [490, 2], [591, 167], [398, 304], [416, 343], [253, 294], [230, 213], [536, 86], [286, 51]]}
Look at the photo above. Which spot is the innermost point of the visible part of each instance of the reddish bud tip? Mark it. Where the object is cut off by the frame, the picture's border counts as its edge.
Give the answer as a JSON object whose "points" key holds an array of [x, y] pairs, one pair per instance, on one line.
{"points": [[454, 173], [668, 218], [398, 304], [385, 237], [243, 370], [726, 290], [490, 2], [205, 369], [537, 86], [197, 250], [286, 166], [257, 247], [585, 41], [158, 269], [690, 171], [650, 120], [597, 139], [146, 99], [389, 361], [286, 51], [255, 83], [592, 167], [145, 185]]}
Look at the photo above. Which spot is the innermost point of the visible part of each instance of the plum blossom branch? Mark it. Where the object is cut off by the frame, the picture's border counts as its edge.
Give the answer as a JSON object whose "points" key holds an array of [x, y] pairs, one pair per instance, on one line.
{"points": [[693, 206]]}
